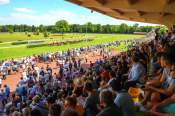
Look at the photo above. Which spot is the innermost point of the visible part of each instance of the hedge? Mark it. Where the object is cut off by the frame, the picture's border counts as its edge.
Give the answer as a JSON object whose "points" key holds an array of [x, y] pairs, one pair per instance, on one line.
{"points": [[56, 43], [33, 42], [37, 45], [19, 42], [25, 42]]}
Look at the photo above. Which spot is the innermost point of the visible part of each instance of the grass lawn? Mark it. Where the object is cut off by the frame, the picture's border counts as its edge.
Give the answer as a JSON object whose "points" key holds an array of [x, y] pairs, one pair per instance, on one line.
{"points": [[9, 37], [17, 52]]}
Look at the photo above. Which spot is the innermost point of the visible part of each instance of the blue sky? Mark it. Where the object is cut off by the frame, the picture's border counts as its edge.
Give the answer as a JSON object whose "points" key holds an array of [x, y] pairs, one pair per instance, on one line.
{"points": [[47, 12]]}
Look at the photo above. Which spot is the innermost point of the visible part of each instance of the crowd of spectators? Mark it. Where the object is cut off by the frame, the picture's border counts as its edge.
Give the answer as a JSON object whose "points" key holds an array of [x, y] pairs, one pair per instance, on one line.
{"points": [[102, 89]]}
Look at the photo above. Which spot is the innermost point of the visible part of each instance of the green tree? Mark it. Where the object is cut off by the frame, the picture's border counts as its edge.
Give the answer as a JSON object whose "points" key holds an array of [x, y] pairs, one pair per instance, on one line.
{"points": [[41, 28], [34, 28], [163, 30], [123, 28], [99, 28], [135, 27], [10, 28], [62, 26]]}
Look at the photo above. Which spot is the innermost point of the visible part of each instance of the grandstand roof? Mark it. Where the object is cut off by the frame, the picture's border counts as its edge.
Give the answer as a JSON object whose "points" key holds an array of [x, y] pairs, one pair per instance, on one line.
{"points": [[148, 11]]}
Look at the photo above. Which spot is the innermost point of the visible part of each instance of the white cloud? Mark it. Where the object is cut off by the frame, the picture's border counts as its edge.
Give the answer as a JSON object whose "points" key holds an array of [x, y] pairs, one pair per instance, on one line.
{"points": [[4, 2], [50, 17], [23, 10]]}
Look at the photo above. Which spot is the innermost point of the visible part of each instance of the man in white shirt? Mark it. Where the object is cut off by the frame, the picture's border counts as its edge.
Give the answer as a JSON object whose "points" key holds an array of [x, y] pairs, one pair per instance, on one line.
{"points": [[136, 74]]}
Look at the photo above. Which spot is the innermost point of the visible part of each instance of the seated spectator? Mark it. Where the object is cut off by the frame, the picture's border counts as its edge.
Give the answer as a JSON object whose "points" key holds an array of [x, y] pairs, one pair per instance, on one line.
{"points": [[167, 83], [16, 113], [156, 65], [26, 112], [123, 100], [136, 74], [166, 106], [35, 112], [71, 102], [39, 106], [69, 112], [106, 101], [55, 110], [92, 100]]}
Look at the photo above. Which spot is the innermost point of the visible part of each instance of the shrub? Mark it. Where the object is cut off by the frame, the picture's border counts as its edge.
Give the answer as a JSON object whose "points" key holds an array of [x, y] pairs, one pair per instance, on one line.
{"points": [[26, 32], [29, 35], [46, 34]]}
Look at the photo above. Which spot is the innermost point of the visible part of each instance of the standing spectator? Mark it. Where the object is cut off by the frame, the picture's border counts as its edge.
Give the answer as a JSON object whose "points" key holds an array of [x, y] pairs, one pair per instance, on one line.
{"points": [[7, 91], [35, 75], [2, 98]]}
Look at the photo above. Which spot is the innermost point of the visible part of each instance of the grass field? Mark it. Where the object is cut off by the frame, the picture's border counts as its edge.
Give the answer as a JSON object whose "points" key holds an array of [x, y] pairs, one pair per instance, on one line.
{"points": [[9, 37], [8, 51]]}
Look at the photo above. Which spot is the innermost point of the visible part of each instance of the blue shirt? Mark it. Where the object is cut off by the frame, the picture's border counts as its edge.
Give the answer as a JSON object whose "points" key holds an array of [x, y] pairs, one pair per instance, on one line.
{"points": [[7, 91]]}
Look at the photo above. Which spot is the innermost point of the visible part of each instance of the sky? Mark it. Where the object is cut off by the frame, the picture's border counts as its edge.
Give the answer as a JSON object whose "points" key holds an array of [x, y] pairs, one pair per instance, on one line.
{"points": [[47, 12]]}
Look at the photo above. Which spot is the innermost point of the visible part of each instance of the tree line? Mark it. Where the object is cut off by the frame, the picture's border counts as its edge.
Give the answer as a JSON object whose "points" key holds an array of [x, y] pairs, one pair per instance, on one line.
{"points": [[63, 26]]}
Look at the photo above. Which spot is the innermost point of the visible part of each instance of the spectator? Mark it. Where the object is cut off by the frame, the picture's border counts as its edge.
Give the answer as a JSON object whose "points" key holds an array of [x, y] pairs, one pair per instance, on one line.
{"points": [[167, 83], [71, 102], [35, 112], [26, 112], [136, 75], [92, 100], [110, 109], [69, 112], [16, 113], [55, 110], [123, 100]]}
